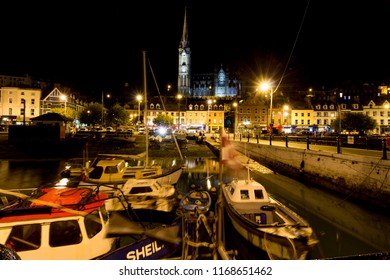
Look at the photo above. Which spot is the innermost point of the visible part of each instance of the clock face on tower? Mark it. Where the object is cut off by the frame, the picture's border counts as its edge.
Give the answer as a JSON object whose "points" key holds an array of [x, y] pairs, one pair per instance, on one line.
{"points": [[183, 68]]}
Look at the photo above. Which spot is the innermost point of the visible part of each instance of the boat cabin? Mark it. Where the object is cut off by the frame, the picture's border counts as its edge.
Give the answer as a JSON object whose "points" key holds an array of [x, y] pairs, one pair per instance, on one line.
{"points": [[42, 232], [106, 171], [251, 199], [247, 191]]}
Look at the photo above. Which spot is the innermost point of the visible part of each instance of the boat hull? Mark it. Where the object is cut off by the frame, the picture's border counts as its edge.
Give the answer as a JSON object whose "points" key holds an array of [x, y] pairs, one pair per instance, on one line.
{"points": [[275, 246], [146, 248], [270, 226]]}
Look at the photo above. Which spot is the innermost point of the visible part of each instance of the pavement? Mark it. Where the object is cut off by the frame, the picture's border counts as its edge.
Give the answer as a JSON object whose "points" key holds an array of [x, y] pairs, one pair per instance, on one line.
{"points": [[313, 147]]}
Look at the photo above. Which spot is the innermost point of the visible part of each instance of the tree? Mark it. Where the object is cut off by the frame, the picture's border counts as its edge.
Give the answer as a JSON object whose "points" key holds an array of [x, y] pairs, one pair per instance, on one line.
{"points": [[70, 113], [354, 122], [117, 116], [163, 120], [92, 114]]}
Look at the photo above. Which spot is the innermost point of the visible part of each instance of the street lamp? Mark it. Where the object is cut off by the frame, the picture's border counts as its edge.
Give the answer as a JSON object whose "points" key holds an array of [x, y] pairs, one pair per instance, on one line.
{"points": [[179, 96], [264, 87], [235, 105], [139, 99], [63, 98], [108, 96]]}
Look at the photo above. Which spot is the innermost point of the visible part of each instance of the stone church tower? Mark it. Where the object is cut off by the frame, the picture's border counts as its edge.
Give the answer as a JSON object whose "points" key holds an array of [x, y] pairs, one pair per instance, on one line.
{"points": [[184, 77], [218, 83]]}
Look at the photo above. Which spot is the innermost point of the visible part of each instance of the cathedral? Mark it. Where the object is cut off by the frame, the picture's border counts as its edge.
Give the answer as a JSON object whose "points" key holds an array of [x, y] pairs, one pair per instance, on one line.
{"points": [[217, 84]]}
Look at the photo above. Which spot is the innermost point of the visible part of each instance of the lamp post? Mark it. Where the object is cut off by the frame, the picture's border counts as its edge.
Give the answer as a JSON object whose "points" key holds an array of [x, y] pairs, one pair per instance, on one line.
{"points": [[264, 87], [139, 99], [235, 105], [63, 97], [108, 96], [179, 96]]}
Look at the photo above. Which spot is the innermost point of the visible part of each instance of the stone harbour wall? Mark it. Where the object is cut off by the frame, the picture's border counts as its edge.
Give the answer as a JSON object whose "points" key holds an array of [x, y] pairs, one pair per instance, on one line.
{"points": [[363, 178]]}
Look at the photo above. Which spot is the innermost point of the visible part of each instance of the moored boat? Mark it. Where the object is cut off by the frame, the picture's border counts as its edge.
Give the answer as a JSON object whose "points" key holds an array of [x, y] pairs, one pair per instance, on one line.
{"points": [[265, 222], [143, 194], [196, 202], [60, 223]]}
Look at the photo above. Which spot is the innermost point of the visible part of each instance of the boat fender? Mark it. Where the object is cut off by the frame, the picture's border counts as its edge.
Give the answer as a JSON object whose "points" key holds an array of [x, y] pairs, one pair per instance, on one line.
{"points": [[267, 208]]}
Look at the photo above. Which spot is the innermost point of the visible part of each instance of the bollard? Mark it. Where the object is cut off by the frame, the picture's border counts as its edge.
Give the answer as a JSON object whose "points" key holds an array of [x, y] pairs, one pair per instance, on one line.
{"points": [[240, 137], [270, 139], [338, 139], [257, 138], [286, 141], [384, 149], [307, 142]]}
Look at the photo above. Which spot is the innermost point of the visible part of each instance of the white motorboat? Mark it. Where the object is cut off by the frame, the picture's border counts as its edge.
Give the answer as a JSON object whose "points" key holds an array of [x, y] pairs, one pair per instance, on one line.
{"points": [[265, 222], [143, 194]]}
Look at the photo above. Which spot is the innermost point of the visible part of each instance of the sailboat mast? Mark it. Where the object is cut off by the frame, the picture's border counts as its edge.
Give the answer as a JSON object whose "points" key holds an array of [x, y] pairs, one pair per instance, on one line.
{"points": [[145, 112]]}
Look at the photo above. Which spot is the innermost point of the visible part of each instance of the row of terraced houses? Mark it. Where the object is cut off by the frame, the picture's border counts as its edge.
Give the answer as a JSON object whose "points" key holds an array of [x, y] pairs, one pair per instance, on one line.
{"points": [[292, 110]]}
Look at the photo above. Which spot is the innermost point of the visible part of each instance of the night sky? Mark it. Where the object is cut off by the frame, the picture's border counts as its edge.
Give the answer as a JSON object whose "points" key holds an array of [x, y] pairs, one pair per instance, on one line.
{"points": [[99, 46]]}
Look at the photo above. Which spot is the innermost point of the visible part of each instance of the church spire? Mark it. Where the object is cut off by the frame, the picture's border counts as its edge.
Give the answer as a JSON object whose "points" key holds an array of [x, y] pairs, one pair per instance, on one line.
{"points": [[184, 38]]}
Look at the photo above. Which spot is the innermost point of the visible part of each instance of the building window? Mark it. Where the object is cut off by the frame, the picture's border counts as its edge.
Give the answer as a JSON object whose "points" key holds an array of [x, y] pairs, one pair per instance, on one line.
{"points": [[32, 113], [10, 100], [32, 101]]}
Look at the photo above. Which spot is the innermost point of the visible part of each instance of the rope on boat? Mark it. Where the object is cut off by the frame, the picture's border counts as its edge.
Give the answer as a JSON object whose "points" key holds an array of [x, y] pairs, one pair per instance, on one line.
{"points": [[188, 240]]}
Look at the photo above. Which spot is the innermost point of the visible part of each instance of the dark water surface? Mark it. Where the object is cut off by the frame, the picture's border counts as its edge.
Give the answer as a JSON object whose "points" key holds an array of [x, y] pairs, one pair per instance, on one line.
{"points": [[343, 227]]}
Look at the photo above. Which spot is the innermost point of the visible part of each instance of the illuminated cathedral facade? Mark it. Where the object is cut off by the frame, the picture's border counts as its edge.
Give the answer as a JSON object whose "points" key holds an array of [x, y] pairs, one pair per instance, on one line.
{"points": [[219, 83]]}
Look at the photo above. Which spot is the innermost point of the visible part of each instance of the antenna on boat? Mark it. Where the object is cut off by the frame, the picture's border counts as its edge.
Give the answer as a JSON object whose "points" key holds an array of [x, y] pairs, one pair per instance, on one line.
{"points": [[145, 111]]}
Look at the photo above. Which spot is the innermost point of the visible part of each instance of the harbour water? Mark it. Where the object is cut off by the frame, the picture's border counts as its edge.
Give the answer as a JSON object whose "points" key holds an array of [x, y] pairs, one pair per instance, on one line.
{"points": [[343, 227]]}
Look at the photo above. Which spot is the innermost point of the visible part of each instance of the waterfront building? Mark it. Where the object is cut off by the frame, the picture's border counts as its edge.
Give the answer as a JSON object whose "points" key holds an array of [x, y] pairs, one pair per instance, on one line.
{"points": [[18, 105]]}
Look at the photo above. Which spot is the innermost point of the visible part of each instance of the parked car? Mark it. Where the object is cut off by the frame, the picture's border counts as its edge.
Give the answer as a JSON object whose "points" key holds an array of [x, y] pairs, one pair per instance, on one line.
{"points": [[110, 129]]}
